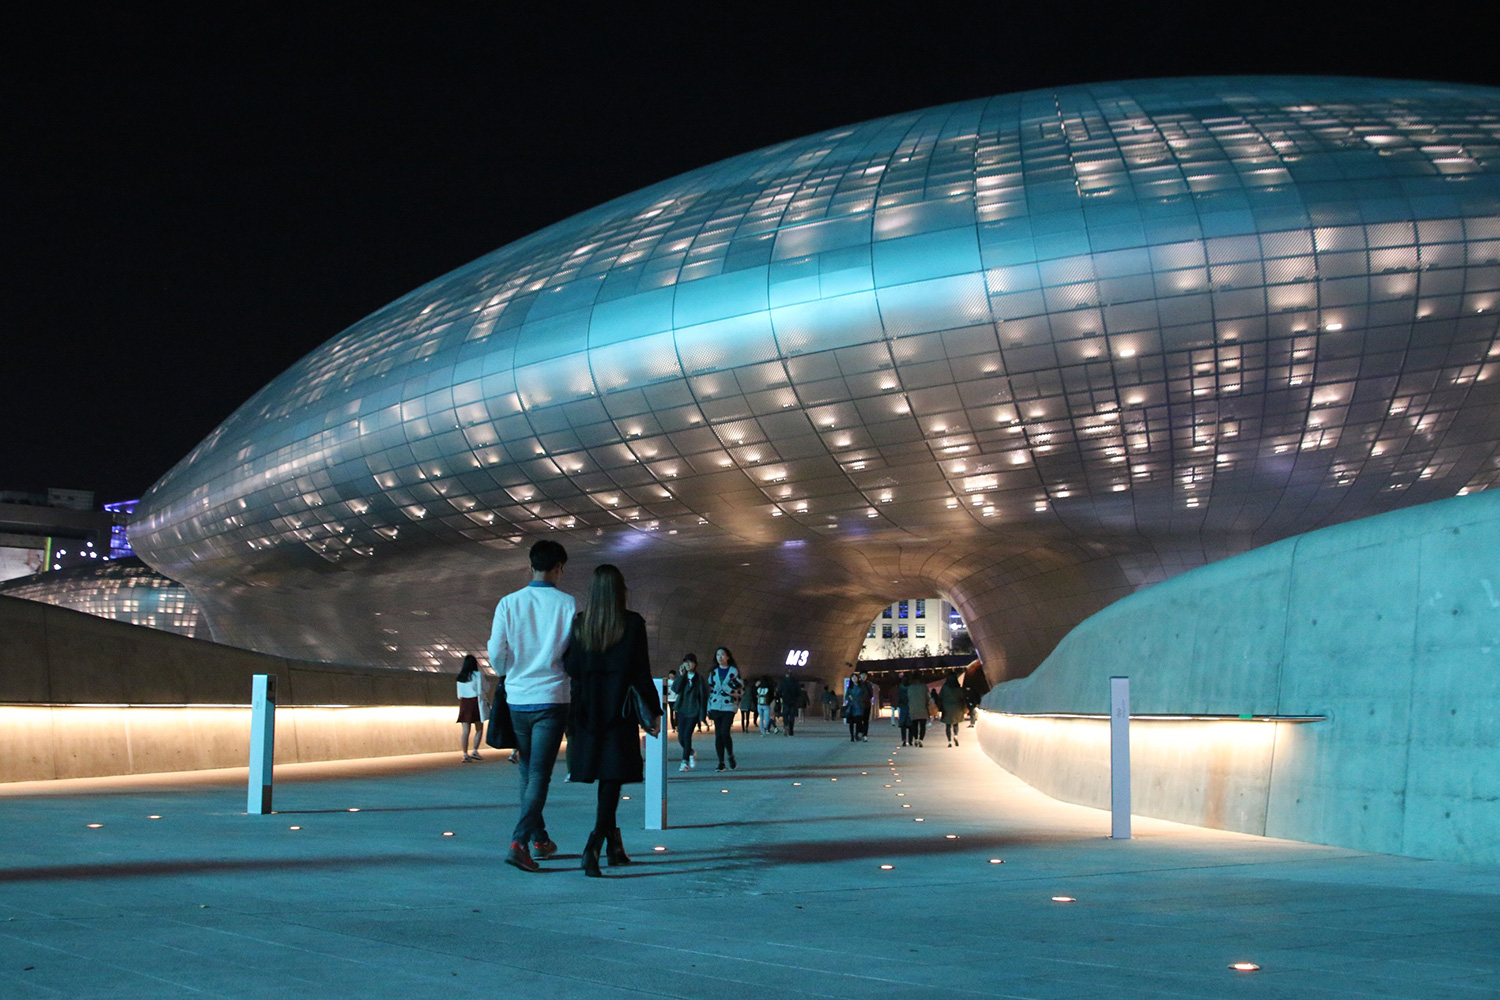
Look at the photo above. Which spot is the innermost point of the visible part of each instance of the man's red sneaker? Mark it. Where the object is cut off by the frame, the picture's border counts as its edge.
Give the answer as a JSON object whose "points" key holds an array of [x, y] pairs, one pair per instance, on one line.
{"points": [[520, 858]]}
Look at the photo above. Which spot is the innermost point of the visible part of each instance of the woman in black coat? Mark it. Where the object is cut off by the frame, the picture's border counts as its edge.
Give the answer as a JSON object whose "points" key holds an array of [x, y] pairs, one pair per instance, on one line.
{"points": [[606, 657]]}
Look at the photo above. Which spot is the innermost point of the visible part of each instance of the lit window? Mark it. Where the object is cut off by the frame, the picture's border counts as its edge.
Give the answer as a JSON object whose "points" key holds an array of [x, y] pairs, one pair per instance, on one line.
{"points": [[901, 631], [901, 609], [921, 610], [921, 631], [885, 631], [886, 613]]}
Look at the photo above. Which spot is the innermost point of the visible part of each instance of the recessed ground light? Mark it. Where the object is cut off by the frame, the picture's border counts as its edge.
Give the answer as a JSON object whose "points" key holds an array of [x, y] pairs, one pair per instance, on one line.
{"points": [[952, 836], [906, 805], [354, 810], [997, 861], [447, 833], [95, 826], [1063, 899], [625, 798], [1245, 967], [919, 820], [658, 848], [153, 817], [294, 828], [886, 868], [723, 791], [796, 782], [833, 779]]}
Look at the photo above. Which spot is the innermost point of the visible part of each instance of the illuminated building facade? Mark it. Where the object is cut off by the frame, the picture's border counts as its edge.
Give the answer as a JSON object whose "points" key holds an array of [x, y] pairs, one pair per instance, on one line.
{"points": [[123, 590], [917, 626], [1033, 353]]}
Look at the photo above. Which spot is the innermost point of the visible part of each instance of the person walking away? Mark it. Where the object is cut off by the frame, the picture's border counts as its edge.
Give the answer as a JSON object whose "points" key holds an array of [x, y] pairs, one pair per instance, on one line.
{"points": [[527, 639], [692, 703], [976, 686], [764, 698], [854, 708], [724, 689], [791, 695], [670, 686], [918, 708], [867, 697], [903, 715], [606, 660], [470, 714], [830, 703], [747, 707], [951, 701]]}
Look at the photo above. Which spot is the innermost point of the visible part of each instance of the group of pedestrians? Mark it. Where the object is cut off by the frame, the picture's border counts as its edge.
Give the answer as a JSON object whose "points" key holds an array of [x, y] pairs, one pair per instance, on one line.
{"points": [[566, 671], [768, 700], [588, 674]]}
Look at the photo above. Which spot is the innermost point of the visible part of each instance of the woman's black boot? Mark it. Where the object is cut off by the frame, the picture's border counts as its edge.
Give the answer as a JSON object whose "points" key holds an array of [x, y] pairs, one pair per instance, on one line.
{"points": [[591, 854], [616, 853]]}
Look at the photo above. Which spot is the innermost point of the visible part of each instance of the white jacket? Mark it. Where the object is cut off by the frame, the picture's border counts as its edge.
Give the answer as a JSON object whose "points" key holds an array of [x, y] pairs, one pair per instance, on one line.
{"points": [[527, 640]]}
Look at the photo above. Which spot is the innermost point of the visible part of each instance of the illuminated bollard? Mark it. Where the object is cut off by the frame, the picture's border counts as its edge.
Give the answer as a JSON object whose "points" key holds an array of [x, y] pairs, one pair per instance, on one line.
{"points": [[1119, 758], [262, 743], [656, 771]]}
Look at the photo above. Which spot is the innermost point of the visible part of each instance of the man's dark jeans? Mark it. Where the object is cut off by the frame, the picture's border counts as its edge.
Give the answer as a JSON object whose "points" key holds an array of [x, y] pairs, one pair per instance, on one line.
{"points": [[538, 737]]}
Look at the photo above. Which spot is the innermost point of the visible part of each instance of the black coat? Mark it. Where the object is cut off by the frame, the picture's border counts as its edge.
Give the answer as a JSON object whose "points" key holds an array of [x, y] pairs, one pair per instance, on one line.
{"points": [[602, 743]]}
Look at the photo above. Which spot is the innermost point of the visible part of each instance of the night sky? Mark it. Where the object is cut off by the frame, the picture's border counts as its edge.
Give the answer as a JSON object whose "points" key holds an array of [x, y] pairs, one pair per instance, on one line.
{"points": [[192, 200]]}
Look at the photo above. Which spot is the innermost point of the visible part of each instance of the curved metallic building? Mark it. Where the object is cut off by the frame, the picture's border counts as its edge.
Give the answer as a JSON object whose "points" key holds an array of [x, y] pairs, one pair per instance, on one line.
{"points": [[1034, 352], [122, 590]]}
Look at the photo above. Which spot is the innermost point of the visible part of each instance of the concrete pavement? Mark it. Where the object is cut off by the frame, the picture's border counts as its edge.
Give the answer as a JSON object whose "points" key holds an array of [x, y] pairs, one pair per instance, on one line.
{"points": [[771, 879]]}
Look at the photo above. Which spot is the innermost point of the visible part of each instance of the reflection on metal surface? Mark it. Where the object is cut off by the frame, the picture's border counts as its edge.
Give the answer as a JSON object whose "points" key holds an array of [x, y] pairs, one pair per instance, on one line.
{"points": [[1030, 353]]}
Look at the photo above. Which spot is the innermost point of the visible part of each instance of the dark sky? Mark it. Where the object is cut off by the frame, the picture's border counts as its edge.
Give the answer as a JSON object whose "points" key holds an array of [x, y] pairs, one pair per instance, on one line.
{"points": [[192, 199]]}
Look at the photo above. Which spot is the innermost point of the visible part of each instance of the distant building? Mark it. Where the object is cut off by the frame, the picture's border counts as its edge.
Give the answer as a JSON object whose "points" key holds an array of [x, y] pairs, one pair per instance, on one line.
{"points": [[912, 627], [55, 530], [123, 590]]}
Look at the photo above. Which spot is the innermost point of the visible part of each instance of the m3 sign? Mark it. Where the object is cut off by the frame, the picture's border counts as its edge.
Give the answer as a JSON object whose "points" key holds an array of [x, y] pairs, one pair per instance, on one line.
{"points": [[797, 657]]}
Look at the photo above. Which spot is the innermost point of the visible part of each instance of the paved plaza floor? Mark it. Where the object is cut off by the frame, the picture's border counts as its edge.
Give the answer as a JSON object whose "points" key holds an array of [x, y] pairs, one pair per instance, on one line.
{"points": [[820, 868]]}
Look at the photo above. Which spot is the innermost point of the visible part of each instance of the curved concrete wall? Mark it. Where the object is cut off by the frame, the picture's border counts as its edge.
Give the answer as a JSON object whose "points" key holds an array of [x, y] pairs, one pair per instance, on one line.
{"points": [[1388, 626], [82, 696]]}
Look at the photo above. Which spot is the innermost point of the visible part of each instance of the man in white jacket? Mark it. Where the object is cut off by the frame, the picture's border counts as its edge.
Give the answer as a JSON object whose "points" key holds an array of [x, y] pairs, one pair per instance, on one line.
{"points": [[527, 640]]}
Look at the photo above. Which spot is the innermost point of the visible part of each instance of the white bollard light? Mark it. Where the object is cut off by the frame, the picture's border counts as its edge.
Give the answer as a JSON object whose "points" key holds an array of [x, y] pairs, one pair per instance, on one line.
{"points": [[656, 770], [262, 743], [1119, 758]]}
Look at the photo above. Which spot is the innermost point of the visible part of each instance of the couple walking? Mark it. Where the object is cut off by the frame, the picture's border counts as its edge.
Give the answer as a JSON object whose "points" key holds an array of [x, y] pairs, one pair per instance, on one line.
{"points": [[550, 657]]}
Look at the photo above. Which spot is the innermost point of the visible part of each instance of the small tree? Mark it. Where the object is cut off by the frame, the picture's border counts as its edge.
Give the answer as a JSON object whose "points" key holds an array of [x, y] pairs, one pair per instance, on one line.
{"points": [[898, 647]]}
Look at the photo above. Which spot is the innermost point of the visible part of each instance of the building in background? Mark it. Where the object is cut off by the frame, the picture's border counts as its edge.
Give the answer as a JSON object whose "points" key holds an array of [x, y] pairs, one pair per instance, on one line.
{"points": [[123, 590], [921, 626], [58, 529]]}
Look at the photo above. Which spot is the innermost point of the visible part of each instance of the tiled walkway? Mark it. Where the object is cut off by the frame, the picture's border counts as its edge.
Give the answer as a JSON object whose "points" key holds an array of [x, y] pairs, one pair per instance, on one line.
{"points": [[772, 882]]}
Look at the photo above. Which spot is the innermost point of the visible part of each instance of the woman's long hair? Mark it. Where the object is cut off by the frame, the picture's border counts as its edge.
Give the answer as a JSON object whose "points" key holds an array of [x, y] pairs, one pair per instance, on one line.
{"points": [[603, 622], [728, 657], [467, 670]]}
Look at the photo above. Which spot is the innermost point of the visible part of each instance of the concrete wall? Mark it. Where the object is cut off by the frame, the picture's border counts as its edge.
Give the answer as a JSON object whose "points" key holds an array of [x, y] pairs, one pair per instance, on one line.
{"points": [[1388, 626], [82, 696]]}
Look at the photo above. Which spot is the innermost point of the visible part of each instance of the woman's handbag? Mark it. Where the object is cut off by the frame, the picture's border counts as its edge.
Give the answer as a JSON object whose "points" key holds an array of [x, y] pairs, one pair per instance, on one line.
{"points": [[501, 732], [636, 710]]}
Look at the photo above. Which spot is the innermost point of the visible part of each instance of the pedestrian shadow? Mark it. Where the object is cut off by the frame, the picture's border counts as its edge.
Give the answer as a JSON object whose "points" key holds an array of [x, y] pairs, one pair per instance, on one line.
{"points": [[932, 845], [199, 866], [390, 809], [860, 818]]}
